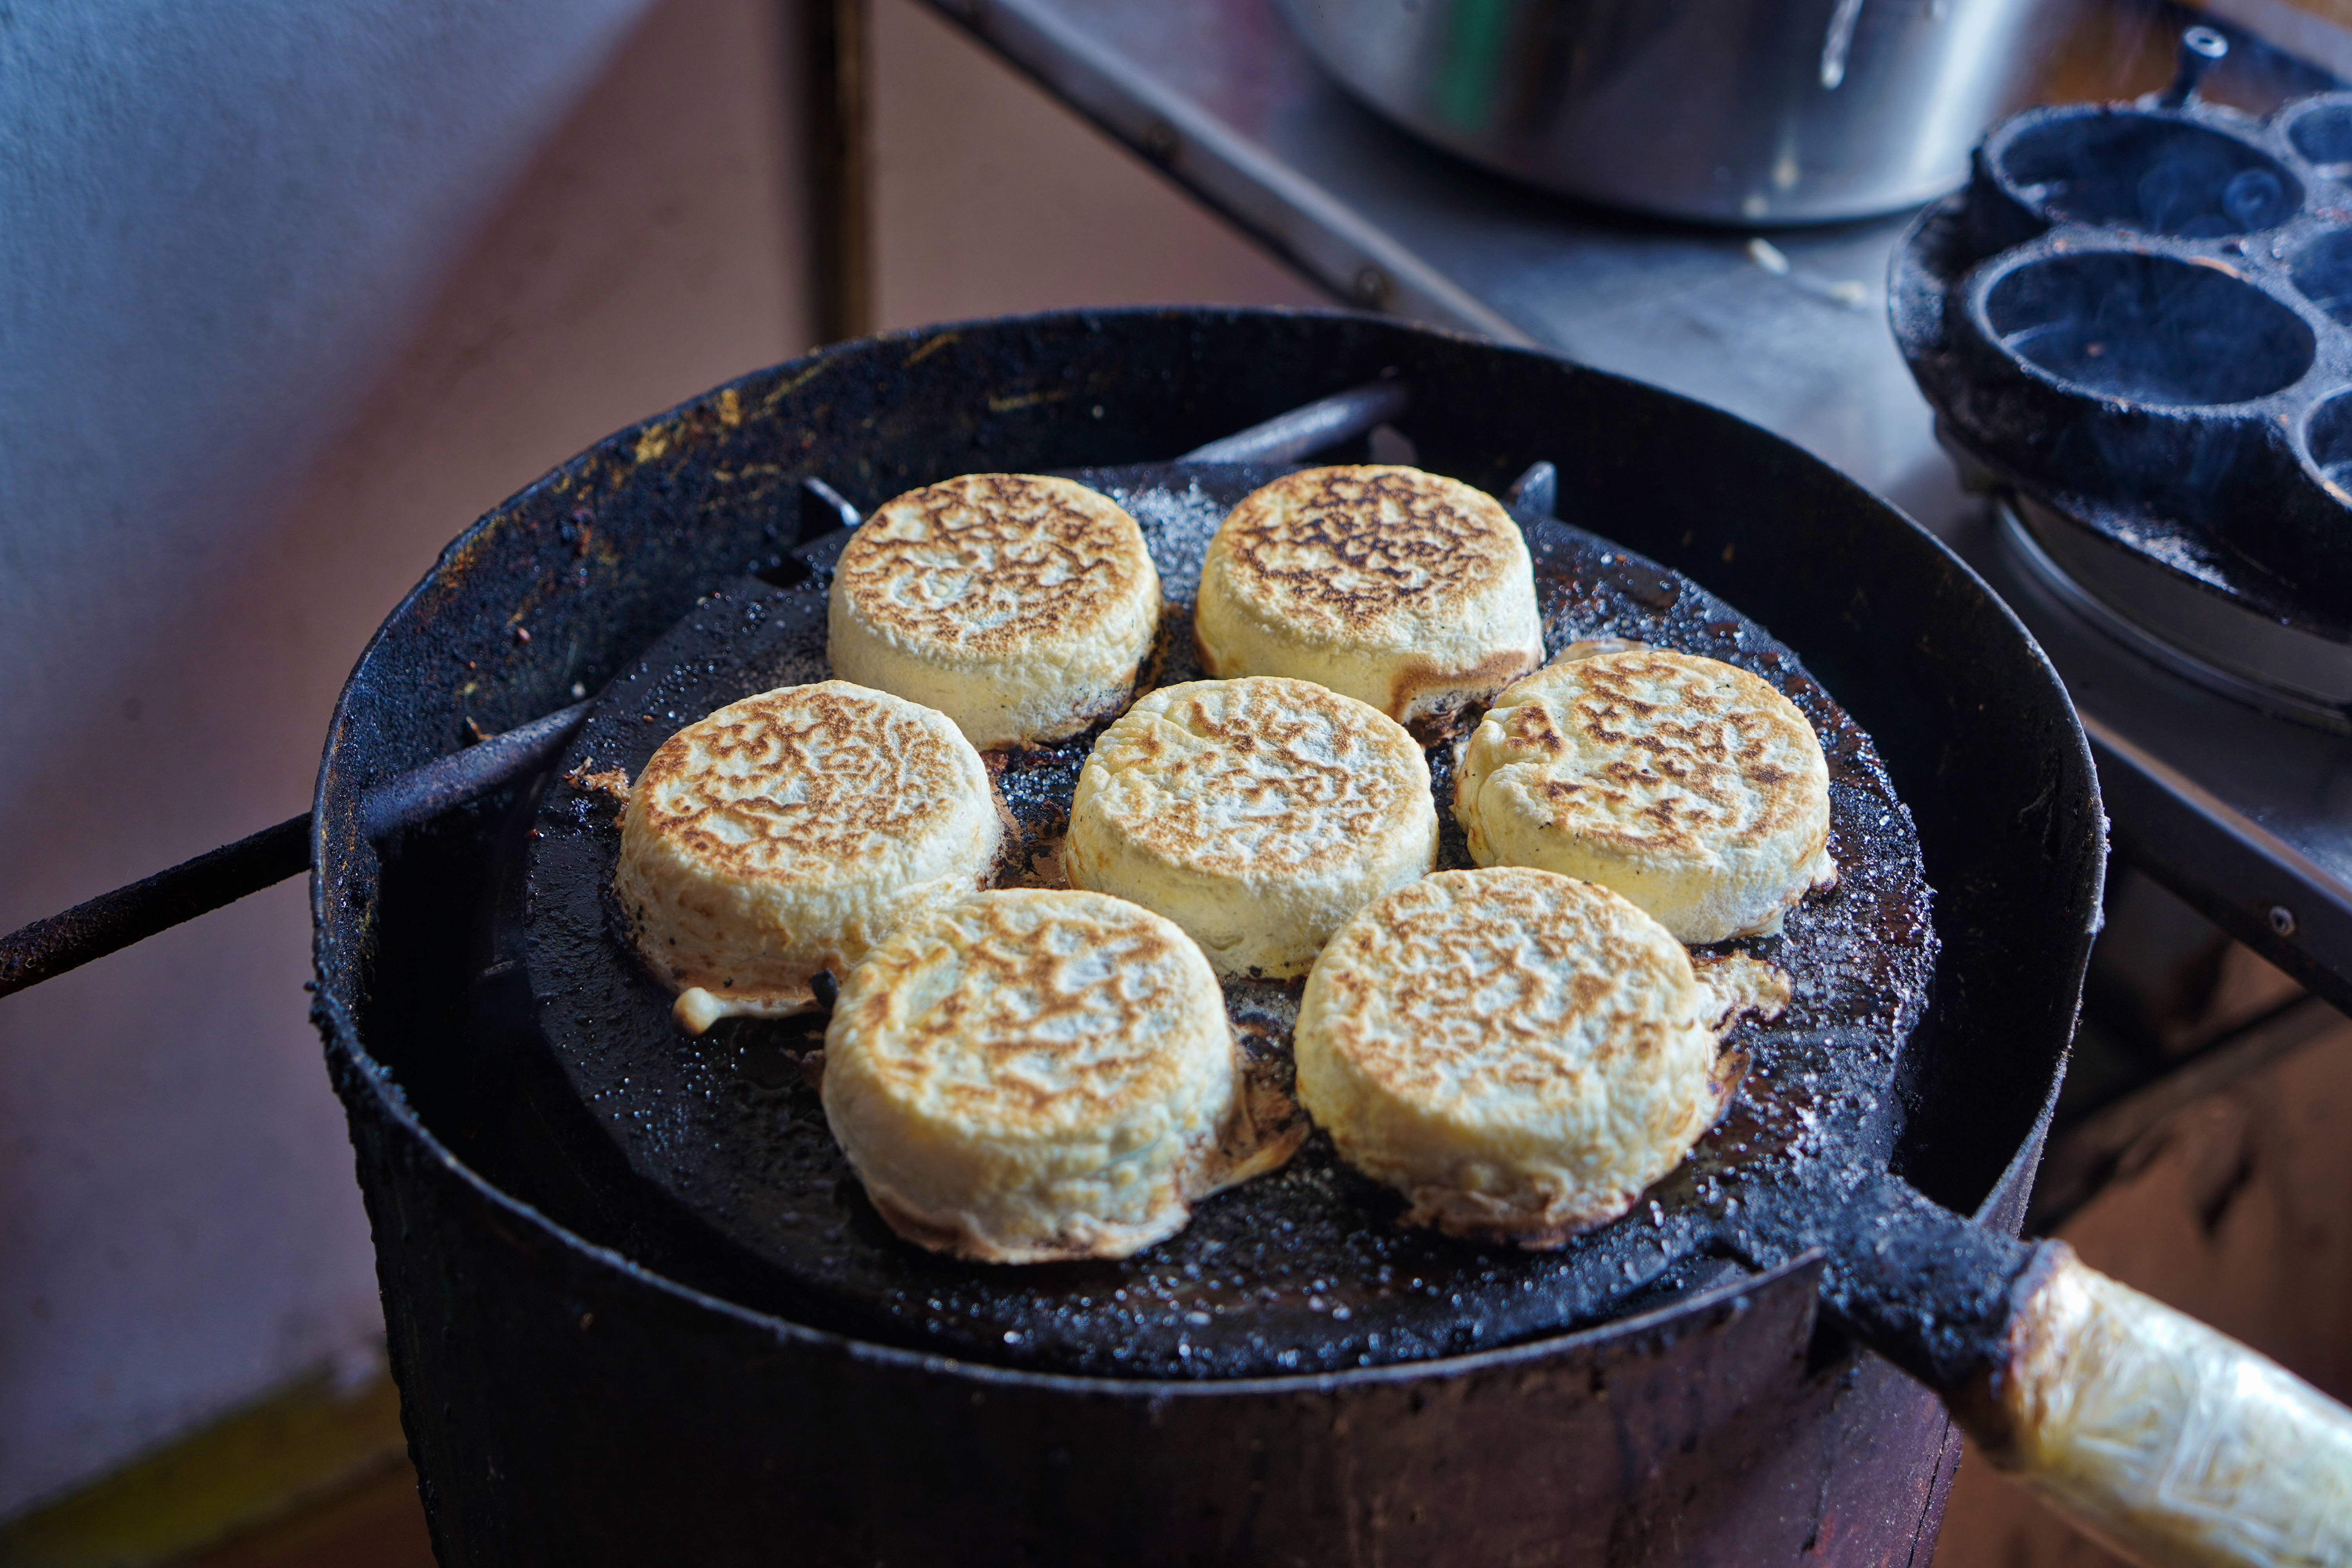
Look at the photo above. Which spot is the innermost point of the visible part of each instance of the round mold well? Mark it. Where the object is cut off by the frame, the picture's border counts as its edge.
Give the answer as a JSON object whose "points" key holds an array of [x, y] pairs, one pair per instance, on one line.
{"points": [[2154, 173], [2321, 130], [2327, 442], [2303, 531], [2321, 271], [2141, 328]]}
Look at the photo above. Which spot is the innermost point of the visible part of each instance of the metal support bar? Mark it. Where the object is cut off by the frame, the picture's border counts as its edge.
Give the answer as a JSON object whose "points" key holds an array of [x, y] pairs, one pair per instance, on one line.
{"points": [[841, 219], [1326, 238], [112, 921], [1538, 489], [823, 510], [2201, 48], [417, 797], [1326, 422], [2286, 908], [116, 919]]}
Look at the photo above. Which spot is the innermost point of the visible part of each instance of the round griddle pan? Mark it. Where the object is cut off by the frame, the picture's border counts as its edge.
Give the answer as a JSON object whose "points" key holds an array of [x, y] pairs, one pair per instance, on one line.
{"points": [[1306, 1269]]}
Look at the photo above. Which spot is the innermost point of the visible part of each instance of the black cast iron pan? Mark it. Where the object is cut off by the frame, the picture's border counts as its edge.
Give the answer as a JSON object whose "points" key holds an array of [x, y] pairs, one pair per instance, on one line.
{"points": [[1306, 1269]]}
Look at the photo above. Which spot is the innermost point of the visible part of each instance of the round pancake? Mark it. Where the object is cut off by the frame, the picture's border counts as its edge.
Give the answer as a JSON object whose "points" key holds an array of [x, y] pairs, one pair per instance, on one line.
{"points": [[1016, 604], [1690, 786], [786, 833], [1257, 814], [1406, 590], [1031, 1075], [1519, 1053]]}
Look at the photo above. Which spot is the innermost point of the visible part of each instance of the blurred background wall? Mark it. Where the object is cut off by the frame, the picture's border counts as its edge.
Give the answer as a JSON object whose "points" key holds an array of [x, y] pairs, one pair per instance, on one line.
{"points": [[295, 289]]}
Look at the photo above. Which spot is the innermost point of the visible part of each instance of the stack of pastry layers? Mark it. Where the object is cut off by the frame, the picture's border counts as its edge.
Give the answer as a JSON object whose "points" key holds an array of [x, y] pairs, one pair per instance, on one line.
{"points": [[1024, 1075]]}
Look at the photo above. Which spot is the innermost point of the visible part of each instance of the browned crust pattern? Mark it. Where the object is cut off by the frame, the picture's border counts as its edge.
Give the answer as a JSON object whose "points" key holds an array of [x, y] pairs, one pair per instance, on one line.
{"points": [[1521, 1042], [854, 773], [1289, 748], [991, 564], [1340, 549], [1683, 760], [1029, 971]]}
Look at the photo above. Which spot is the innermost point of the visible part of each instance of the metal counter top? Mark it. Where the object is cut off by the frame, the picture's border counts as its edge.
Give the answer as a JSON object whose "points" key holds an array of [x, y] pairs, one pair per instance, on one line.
{"points": [[2248, 817]]}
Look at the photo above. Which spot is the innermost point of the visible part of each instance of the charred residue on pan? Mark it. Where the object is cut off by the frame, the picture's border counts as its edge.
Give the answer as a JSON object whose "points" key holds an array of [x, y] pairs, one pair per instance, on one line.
{"points": [[1302, 1270]]}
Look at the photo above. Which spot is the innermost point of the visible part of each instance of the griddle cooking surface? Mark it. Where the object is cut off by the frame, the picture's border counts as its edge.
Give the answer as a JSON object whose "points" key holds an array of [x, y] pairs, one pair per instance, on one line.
{"points": [[1306, 1269]]}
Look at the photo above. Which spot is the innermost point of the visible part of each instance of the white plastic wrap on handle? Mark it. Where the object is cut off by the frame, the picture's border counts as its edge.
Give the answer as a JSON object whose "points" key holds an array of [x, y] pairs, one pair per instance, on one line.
{"points": [[2175, 1446]]}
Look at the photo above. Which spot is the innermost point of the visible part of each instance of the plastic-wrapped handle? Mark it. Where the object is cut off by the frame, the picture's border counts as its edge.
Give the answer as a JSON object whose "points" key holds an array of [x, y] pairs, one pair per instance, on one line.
{"points": [[2174, 1445]]}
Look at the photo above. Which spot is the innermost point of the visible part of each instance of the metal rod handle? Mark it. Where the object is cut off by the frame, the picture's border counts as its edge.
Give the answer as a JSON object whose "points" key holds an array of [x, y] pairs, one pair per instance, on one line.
{"points": [[2201, 48], [111, 920], [1326, 422], [1536, 490], [417, 797]]}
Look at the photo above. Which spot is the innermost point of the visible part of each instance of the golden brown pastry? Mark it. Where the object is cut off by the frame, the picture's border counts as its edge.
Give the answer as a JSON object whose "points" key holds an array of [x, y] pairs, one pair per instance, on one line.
{"points": [[1017, 605], [1689, 786], [1404, 589], [1031, 1075], [1257, 814], [786, 833], [1518, 1053]]}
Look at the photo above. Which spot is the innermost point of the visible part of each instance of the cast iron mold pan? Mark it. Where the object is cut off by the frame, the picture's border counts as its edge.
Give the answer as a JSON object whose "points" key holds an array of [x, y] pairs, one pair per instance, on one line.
{"points": [[2142, 316]]}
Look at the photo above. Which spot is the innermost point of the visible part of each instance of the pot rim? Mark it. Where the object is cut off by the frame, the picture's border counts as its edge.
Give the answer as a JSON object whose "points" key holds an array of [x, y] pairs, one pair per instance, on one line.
{"points": [[355, 1066]]}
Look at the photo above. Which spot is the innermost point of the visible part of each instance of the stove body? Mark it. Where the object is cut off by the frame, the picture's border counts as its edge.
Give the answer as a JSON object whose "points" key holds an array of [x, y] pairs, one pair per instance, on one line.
{"points": [[578, 1387]]}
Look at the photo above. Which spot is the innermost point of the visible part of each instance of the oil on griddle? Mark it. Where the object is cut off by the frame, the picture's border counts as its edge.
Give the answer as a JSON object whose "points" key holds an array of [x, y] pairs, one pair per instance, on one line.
{"points": [[1303, 1270]]}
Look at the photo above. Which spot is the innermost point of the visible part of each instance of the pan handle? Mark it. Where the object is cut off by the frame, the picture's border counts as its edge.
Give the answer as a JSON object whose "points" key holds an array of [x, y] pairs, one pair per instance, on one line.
{"points": [[112, 921], [1326, 422], [2173, 1444]]}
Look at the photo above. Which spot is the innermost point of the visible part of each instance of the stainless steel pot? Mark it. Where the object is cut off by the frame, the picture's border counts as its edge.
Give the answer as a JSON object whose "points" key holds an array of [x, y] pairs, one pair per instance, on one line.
{"points": [[1738, 111]]}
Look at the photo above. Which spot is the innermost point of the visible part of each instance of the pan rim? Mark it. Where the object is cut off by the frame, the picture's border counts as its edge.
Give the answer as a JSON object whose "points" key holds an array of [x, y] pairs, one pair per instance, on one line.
{"points": [[345, 865]]}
